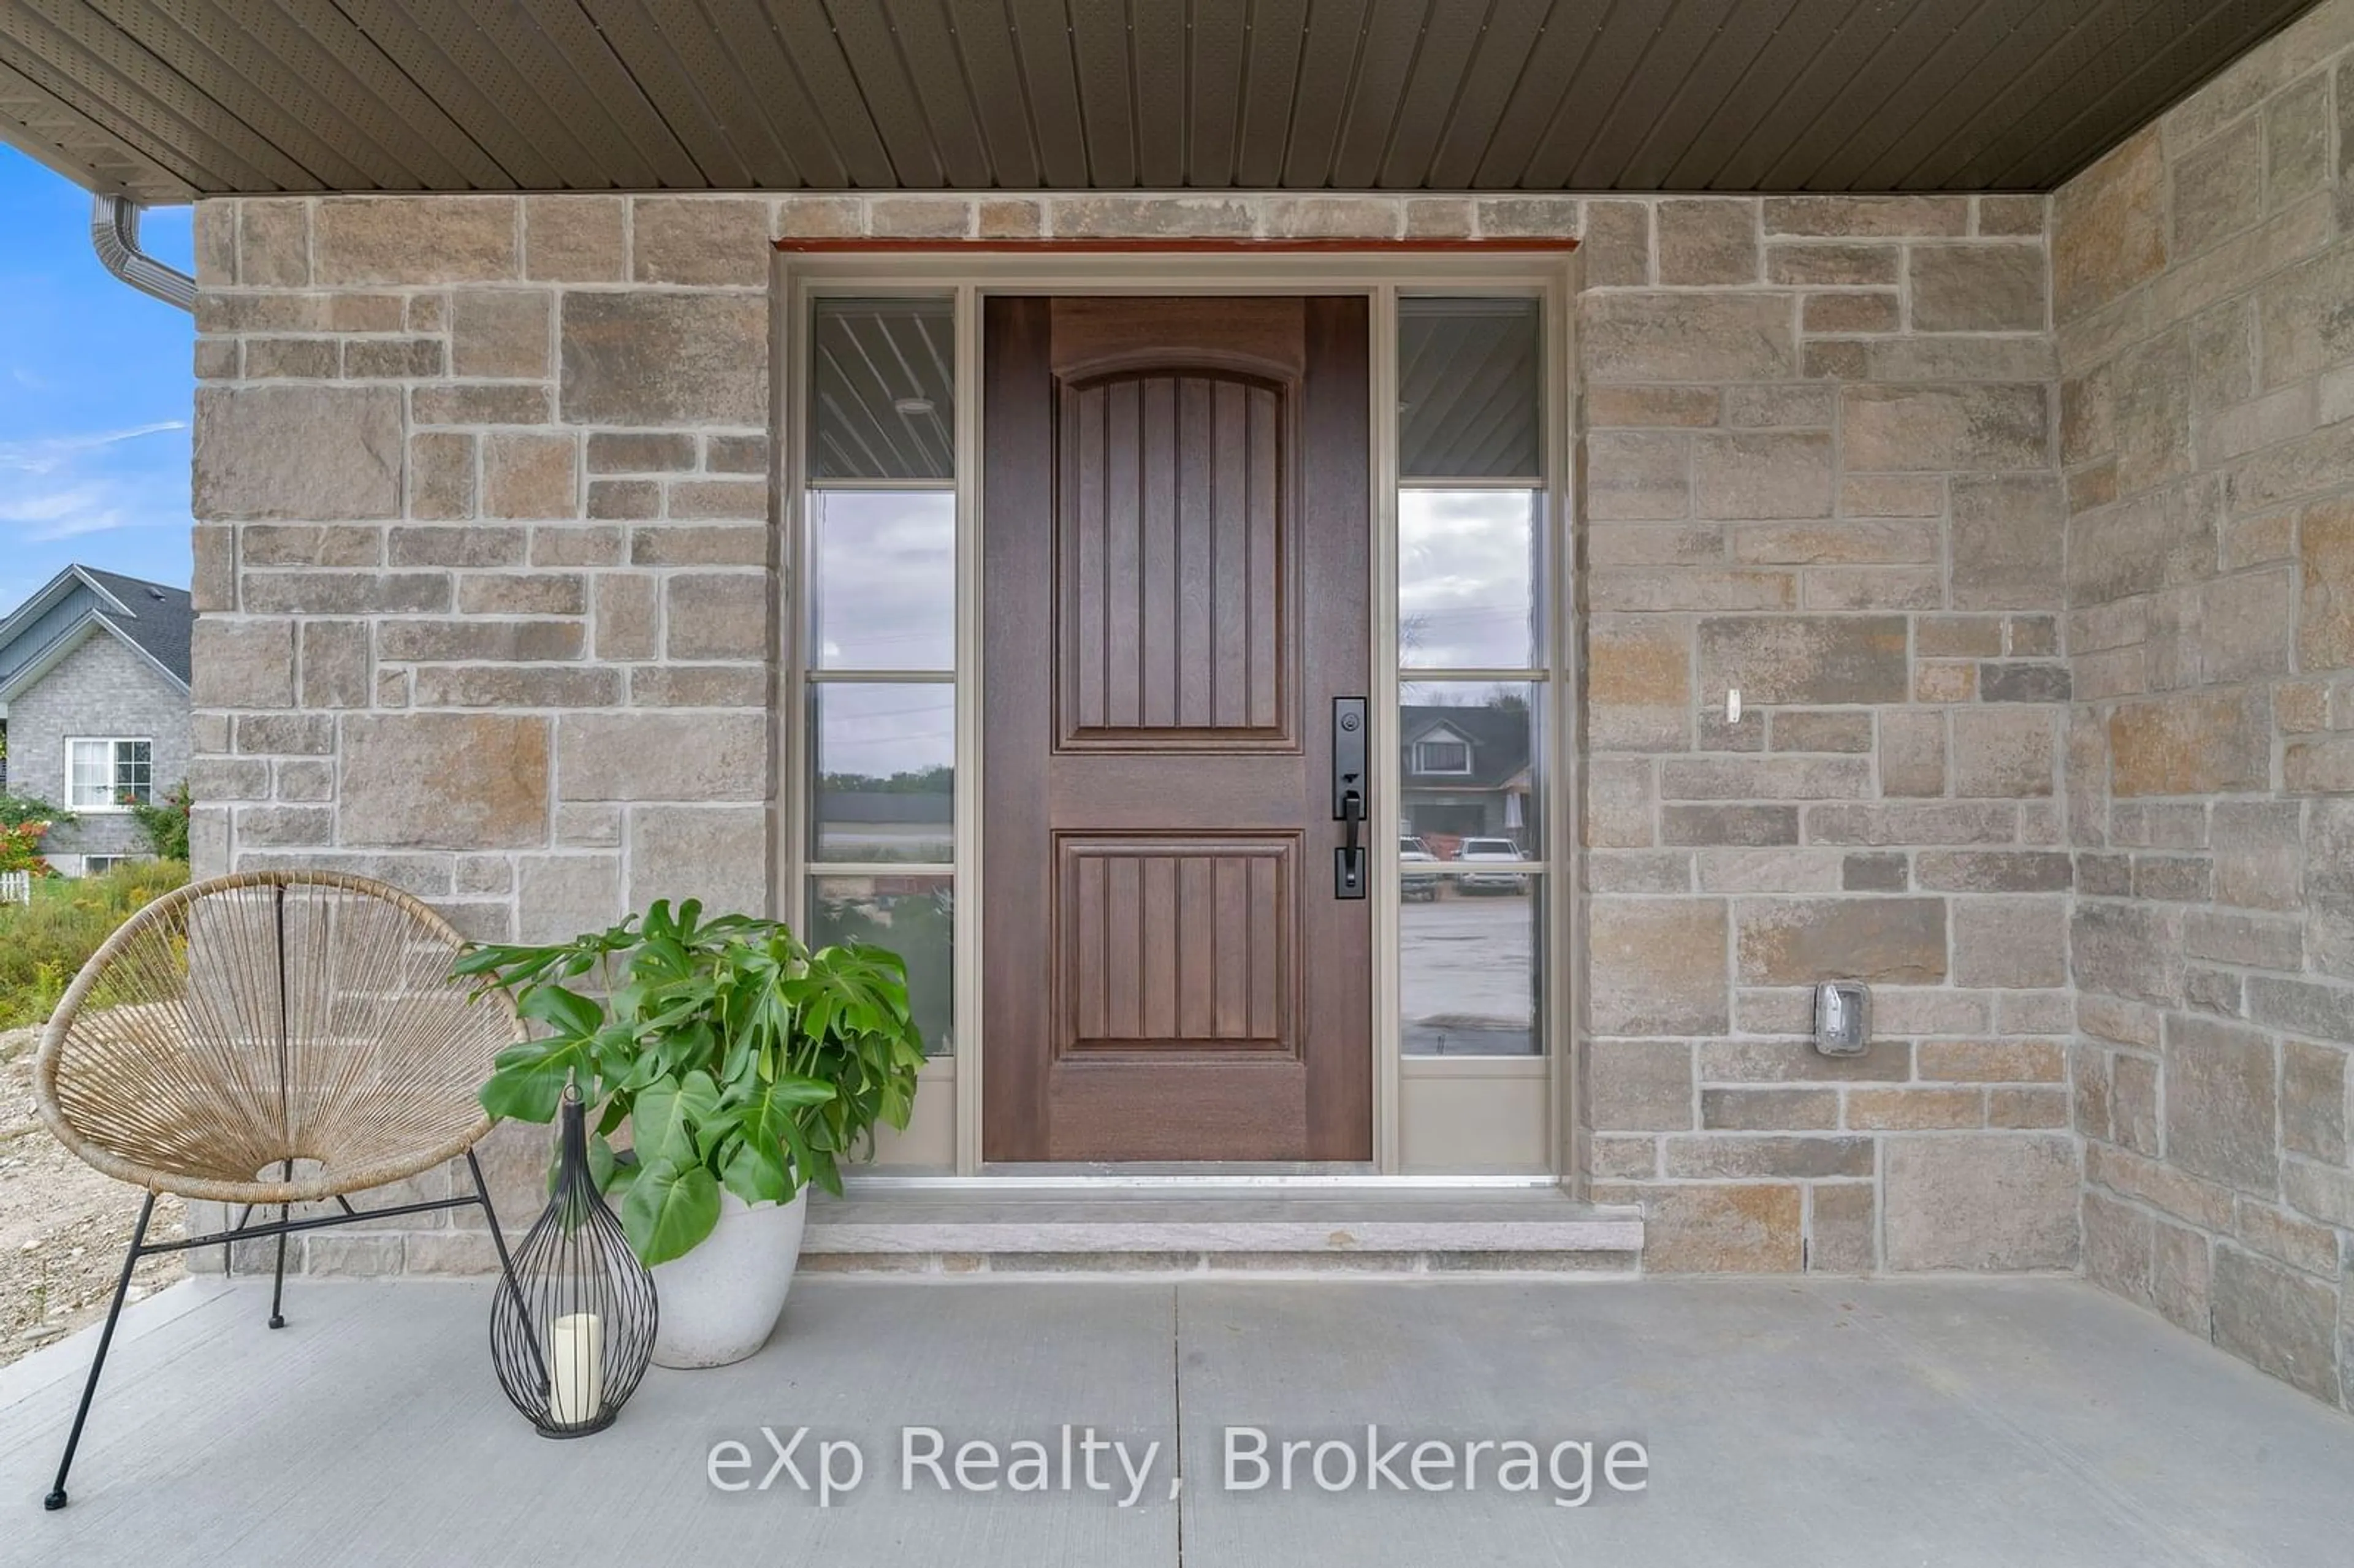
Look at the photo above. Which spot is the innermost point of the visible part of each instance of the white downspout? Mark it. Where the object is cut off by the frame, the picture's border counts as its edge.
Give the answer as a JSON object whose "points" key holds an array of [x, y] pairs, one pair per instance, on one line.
{"points": [[114, 235]]}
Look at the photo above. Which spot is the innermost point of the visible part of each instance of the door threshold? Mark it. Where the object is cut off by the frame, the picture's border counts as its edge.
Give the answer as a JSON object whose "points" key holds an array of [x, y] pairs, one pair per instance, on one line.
{"points": [[1401, 1227]]}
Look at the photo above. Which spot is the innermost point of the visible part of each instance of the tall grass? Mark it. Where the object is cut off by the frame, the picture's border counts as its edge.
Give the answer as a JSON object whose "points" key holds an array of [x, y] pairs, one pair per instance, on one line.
{"points": [[43, 943]]}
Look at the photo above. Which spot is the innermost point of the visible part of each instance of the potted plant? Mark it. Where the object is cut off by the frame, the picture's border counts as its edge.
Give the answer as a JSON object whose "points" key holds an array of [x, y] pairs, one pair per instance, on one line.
{"points": [[747, 1066]]}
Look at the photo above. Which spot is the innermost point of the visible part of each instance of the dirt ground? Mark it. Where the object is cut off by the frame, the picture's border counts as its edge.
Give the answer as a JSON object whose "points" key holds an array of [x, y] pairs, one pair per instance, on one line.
{"points": [[63, 1227]]}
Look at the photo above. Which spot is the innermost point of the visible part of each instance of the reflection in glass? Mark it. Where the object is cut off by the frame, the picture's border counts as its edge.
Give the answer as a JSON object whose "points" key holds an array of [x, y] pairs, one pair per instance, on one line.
{"points": [[1467, 579], [882, 579], [882, 388], [1471, 788], [885, 763], [913, 916], [1468, 974], [1469, 400]]}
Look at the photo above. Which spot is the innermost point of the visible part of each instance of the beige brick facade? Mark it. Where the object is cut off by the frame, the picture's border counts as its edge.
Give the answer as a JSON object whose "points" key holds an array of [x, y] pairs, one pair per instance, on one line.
{"points": [[485, 559], [2206, 281]]}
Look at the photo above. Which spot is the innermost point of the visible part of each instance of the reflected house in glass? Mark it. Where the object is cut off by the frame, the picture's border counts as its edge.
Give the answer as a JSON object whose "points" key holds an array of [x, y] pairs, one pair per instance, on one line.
{"points": [[1467, 774]]}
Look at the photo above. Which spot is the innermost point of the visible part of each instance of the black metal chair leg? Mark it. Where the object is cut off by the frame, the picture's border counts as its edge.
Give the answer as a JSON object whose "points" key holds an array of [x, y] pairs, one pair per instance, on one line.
{"points": [[506, 1264], [56, 1498], [278, 1288], [491, 1216]]}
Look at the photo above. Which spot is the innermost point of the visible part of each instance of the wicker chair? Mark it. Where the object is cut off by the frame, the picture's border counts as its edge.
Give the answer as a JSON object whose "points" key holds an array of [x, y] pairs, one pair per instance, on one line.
{"points": [[264, 1041]]}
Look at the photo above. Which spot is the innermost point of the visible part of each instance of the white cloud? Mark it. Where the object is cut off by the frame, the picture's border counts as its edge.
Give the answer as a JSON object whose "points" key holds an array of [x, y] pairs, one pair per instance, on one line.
{"points": [[64, 487], [1465, 578], [47, 454]]}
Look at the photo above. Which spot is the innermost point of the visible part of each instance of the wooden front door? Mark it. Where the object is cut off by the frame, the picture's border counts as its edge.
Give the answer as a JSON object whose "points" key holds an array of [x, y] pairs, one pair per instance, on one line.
{"points": [[1176, 541]]}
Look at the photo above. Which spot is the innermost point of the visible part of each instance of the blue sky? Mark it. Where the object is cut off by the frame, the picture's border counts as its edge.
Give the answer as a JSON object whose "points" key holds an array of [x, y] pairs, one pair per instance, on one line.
{"points": [[95, 394]]}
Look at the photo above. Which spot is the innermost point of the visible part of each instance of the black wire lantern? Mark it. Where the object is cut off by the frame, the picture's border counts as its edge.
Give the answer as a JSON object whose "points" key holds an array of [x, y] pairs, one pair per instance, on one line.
{"points": [[572, 1328]]}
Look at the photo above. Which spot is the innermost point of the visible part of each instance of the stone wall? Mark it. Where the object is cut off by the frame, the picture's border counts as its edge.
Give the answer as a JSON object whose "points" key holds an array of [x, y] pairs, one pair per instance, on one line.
{"points": [[2204, 274], [483, 560], [1819, 466], [485, 568], [102, 688]]}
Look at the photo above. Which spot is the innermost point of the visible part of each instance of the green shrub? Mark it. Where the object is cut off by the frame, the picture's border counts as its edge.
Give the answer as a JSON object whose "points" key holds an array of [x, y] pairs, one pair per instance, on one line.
{"points": [[16, 811], [20, 849], [164, 823], [24, 821], [44, 943]]}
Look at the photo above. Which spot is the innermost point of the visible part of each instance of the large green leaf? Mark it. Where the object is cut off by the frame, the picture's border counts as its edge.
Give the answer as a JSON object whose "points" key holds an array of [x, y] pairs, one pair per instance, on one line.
{"points": [[601, 1162], [770, 1114], [566, 1012], [527, 1084], [668, 1120], [756, 1173], [669, 1210]]}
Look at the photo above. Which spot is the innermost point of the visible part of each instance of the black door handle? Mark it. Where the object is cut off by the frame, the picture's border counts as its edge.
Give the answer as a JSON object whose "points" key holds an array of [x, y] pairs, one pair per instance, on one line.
{"points": [[1349, 867]]}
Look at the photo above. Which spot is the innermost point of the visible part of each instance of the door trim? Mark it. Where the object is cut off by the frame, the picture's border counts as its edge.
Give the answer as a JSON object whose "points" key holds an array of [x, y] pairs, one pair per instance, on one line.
{"points": [[965, 271]]}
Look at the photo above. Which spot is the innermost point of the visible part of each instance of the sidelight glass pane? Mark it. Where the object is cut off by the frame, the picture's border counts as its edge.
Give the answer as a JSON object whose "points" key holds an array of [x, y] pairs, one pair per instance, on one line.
{"points": [[1467, 579], [882, 579], [1470, 771], [911, 916], [882, 389], [1469, 389], [884, 760], [1468, 972]]}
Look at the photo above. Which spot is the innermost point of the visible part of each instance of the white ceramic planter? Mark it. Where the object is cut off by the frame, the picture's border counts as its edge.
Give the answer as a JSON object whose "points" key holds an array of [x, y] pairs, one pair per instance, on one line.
{"points": [[720, 1302]]}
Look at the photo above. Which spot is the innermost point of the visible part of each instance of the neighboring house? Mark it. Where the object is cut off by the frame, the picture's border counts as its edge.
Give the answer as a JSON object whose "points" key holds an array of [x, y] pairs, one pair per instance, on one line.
{"points": [[1467, 774], [94, 701]]}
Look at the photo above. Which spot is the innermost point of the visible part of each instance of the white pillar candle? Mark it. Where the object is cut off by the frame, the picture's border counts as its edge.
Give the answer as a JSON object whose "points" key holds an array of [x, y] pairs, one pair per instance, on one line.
{"points": [[576, 1366]]}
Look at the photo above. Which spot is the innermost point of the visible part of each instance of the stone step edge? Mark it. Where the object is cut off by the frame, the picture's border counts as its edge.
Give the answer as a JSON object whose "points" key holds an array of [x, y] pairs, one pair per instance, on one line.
{"points": [[1577, 1264], [996, 1237]]}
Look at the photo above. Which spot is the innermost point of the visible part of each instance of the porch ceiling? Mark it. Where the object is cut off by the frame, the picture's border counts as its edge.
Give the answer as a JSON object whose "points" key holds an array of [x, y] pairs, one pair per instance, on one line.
{"points": [[167, 98]]}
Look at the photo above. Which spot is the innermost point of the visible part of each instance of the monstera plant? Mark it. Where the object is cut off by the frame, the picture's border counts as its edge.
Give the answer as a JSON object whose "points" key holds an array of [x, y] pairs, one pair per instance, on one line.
{"points": [[742, 1061]]}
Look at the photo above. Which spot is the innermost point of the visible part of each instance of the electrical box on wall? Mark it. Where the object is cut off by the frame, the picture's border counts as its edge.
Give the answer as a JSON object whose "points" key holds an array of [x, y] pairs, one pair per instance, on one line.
{"points": [[1842, 1018]]}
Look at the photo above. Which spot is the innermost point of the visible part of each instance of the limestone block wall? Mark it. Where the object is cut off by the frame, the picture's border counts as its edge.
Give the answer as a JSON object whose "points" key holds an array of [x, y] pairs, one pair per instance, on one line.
{"points": [[485, 570], [2204, 287], [1819, 466], [485, 562]]}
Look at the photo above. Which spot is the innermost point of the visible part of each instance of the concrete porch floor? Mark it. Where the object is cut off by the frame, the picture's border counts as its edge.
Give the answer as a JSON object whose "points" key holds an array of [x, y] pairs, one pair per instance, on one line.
{"points": [[1823, 1423]]}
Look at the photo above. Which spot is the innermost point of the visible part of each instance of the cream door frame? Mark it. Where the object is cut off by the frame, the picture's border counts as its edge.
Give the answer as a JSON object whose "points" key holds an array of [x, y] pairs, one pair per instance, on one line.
{"points": [[1435, 1119]]}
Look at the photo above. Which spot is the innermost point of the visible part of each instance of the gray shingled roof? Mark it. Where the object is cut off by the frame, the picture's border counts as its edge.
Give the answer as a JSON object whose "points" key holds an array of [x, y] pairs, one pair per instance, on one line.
{"points": [[160, 621], [156, 618]]}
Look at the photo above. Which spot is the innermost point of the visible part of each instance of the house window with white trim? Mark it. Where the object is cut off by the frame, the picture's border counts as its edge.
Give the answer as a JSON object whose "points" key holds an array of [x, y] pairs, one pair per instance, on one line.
{"points": [[1442, 755], [109, 774]]}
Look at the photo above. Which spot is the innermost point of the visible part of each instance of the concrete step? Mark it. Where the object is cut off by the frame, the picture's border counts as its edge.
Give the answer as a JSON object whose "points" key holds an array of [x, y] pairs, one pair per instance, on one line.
{"points": [[1062, 1229]]}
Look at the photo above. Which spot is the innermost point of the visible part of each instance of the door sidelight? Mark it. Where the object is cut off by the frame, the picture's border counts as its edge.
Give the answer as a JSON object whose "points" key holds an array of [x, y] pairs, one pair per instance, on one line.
{"points": [[1349, 860]]}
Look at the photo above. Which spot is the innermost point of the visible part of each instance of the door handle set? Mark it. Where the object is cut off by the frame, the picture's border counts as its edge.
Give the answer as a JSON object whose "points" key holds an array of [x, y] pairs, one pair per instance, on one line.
{"points": [[1349, 860]]}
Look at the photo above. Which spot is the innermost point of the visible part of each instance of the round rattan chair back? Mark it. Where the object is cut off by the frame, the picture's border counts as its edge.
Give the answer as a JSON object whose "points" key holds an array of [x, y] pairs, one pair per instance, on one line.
{"points": [[237, 1024]]}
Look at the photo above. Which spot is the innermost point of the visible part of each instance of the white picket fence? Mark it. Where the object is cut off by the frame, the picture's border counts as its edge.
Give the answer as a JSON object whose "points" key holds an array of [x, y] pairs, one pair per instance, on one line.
{"points": [[16, 887]]}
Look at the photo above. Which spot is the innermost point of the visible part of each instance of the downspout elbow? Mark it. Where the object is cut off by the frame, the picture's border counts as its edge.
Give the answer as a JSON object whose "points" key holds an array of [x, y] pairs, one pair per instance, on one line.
{"points": [[114, 235]]}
